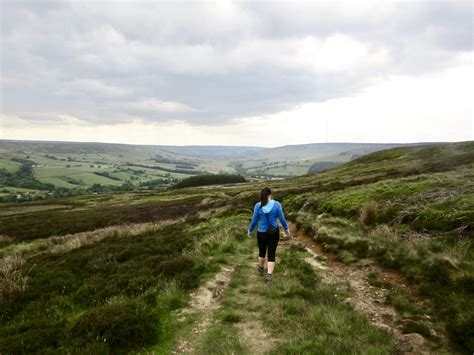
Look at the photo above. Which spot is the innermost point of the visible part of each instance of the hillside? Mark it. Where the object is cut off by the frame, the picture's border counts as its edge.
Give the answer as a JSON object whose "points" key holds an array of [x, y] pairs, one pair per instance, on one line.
{"points": [[78, 168], [32, 170], [316, 150], [219, 151], [295, 160], [381, 262]]}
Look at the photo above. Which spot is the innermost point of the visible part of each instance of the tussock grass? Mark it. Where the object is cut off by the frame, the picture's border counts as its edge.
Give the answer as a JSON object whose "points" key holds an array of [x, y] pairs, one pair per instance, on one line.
{"points": [[12, 281], [368, 214]]}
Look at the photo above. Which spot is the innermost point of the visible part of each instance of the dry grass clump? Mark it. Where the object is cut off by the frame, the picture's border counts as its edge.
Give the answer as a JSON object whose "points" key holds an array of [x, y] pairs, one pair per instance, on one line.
{"points": [[368, 213], [77, 240], [210, 212], [460, 250], [57, 244], [12, 281], [385, 233]]}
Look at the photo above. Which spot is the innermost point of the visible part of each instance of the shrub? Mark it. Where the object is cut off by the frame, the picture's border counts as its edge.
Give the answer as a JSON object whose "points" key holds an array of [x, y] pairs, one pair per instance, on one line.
{"points": [[120, 326], [204, 180], [182, 269], [368, 214]]}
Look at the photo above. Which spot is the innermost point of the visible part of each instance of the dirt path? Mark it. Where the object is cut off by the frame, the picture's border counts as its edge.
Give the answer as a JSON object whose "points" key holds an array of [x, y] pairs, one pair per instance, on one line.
{"points": [[367, 299], [205, 301], [252, 332]]}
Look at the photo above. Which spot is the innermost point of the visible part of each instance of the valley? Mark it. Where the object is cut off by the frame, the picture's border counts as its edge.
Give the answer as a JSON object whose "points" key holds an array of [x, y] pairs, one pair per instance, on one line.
{"points": [[38, 170]]}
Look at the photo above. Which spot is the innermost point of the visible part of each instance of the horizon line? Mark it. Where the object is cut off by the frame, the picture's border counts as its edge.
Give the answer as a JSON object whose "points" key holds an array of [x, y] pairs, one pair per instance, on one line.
{"points": [[222, 145]]}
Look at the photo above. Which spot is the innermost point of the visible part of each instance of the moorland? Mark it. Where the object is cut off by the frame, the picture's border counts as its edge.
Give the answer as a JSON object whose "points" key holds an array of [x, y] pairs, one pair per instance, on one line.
{"points": [[381, 262]]}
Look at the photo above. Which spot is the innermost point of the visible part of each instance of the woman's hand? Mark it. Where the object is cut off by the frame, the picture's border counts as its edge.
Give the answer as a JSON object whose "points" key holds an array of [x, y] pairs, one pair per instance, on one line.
{"points": [[288, 233]]}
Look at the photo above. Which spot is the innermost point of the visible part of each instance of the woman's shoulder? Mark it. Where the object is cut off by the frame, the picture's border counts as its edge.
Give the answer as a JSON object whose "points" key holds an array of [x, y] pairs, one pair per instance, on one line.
{"points": [[277, 204]]}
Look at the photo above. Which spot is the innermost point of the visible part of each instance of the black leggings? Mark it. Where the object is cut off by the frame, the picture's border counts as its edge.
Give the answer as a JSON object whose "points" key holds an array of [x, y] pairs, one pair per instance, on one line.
{"points": [[270, 242]]}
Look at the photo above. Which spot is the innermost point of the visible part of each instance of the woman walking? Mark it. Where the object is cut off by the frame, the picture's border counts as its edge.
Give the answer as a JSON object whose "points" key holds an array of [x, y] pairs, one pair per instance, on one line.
{"points": [[265, 214]]}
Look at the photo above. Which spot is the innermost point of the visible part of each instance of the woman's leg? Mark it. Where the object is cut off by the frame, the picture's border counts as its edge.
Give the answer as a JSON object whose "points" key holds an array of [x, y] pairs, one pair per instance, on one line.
{"points": [[272, 246], [271, 267], [262, 241]]}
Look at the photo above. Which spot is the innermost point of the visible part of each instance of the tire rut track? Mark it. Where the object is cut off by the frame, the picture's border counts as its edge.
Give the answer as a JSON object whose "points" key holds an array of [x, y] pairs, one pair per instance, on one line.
{"points": [[204, 300]]}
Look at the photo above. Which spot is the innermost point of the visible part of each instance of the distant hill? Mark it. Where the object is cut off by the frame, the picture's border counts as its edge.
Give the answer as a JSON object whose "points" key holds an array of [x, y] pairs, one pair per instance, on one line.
{"points": [[295, 160], [316, 150], [214, 151], [75, 166]]}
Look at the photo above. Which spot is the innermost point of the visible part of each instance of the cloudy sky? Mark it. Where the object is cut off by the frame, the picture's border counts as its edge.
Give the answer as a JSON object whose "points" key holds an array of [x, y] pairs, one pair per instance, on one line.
{"points": [[236, 73]]}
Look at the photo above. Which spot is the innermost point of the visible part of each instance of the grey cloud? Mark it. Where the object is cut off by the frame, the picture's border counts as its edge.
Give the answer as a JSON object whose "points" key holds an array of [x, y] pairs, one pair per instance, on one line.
{"points": [[110, 62]]}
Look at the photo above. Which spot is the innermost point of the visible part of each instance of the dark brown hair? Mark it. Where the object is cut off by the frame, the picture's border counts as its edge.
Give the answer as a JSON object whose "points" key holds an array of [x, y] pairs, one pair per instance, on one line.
{"points": [[264, 196]]}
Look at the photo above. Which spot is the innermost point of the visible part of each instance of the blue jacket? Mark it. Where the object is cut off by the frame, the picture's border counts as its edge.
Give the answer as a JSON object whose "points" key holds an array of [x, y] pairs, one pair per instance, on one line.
{"points": [[273, 210]]}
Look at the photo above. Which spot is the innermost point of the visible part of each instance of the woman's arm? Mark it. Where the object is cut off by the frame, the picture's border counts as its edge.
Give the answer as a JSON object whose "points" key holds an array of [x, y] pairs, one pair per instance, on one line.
{"points": [[253, 224], [281, 217]]}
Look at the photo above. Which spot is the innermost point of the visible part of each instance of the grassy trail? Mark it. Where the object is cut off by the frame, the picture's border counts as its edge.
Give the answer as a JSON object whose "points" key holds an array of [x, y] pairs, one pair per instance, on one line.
{"points": [[370, 285], [315, 305]]}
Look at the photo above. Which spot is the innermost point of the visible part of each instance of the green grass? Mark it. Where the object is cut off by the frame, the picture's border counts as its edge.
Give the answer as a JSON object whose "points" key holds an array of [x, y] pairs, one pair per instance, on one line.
{"points": [[9, 165], [57, 181], [91, 179]]}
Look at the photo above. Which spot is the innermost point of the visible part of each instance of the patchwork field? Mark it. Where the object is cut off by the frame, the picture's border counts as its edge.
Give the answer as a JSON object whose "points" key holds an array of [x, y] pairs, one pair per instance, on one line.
{"points": [[380, 262], [64, 169]]}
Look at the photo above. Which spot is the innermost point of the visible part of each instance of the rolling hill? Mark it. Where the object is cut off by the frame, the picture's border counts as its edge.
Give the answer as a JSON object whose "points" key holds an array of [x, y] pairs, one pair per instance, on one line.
{"points": [[41, 169]]}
